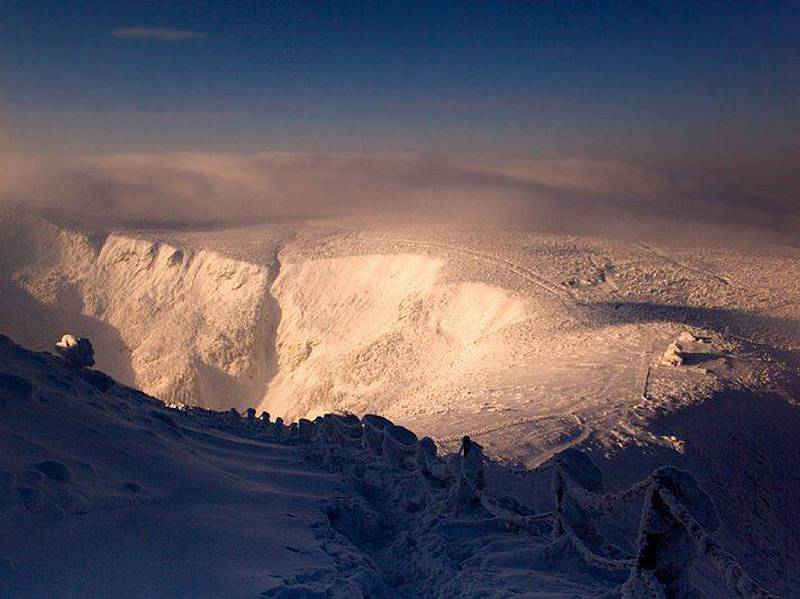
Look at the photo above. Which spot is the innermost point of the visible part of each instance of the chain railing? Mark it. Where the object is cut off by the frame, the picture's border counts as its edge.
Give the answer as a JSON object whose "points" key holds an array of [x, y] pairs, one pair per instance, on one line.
{"points": [[675, 521]]}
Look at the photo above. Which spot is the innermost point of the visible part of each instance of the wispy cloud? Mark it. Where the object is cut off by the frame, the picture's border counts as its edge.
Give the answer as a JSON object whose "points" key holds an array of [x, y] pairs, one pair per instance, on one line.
{"points": [[162, 34], [576, 194]]}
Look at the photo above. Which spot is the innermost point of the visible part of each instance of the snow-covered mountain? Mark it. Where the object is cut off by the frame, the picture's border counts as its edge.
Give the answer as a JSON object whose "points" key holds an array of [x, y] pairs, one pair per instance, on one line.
{"points": [[530, 342]]}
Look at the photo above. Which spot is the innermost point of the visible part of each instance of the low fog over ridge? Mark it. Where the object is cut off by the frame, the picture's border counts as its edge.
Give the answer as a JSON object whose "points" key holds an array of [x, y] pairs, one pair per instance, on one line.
{"points": [[203, 188]]}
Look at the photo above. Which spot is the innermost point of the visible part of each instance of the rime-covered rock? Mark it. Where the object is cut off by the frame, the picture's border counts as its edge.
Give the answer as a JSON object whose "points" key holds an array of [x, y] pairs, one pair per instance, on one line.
{"points": [[674, 355], [77, 351]]}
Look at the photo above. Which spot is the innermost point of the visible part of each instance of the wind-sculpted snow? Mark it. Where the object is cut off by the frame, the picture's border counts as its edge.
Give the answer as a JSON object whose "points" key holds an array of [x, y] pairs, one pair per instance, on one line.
{"points": [[194, 502]]}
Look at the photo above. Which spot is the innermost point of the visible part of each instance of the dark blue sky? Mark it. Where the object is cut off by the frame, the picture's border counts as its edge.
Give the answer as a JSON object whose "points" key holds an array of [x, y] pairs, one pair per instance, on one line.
{"points": [[663, 82]]}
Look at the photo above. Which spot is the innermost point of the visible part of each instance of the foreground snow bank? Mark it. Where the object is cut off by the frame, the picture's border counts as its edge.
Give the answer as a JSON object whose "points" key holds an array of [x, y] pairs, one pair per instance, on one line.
{"points": [[367, 332], [196, 502], [106, 492]]}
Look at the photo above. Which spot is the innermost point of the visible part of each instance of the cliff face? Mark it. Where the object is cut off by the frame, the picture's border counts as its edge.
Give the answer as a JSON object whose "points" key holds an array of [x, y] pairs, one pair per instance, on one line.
{"points": [[193, 326], [368, 332], [186, 327]]}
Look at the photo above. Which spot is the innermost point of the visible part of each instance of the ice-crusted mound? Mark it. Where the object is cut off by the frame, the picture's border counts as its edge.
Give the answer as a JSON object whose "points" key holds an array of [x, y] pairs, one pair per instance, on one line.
{"points": [[184, 326]]}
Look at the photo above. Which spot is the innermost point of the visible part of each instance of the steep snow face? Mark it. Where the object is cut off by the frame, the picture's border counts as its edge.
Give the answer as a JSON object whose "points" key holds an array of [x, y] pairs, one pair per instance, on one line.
{"points": [[362, 332], [196, 325], [358, 332], [189, 327]]}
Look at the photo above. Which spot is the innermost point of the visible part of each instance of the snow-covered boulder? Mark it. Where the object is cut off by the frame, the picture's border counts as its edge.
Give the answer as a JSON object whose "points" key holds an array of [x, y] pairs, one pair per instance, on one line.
{"points": [[77, 351], [674, 355]]}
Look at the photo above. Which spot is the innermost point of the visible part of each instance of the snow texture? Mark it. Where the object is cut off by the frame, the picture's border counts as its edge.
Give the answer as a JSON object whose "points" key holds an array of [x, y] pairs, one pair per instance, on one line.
{"points": [[103, 487], [530, 342]]}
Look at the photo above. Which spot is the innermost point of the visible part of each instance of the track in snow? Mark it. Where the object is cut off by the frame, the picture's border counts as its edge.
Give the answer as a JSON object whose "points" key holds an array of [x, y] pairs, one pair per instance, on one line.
{"points": [[570, 303]]}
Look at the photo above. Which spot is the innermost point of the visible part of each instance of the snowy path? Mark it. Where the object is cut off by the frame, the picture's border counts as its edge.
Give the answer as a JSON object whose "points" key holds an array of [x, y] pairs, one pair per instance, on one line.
{"points": [[105, 492]]}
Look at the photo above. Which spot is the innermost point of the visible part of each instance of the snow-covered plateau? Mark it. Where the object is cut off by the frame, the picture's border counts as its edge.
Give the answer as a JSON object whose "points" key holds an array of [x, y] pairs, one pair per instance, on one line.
{"points": [[661, 350]]}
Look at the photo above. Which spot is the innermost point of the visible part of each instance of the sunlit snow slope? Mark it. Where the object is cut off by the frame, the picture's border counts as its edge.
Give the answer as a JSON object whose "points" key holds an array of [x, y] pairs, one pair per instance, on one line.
{"points": [[197, 327], [188, 327], [107, 492], [528, 341], [363, 332]]}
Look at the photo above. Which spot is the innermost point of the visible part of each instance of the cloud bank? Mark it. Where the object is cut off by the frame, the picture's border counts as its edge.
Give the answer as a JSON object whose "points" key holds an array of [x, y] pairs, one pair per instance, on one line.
{"points": [[161, 34], [191, 188]]}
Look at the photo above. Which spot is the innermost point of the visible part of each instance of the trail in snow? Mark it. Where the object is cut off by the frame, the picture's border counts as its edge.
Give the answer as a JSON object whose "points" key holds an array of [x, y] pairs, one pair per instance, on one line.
{"points": [[725, 280], [207, 504], [566, 298]]}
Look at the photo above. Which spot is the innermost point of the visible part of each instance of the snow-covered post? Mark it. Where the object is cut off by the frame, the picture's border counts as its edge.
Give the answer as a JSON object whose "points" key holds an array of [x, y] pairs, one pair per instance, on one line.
{"points": [[472, 464], [232, 417], [76, 351], [318, 434], [250, 415], [279, 427], [430, 464], [265, 423], [665, 549], [327, 428], [305, 429], [348, 430], [575, 468], [471, 477]]}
